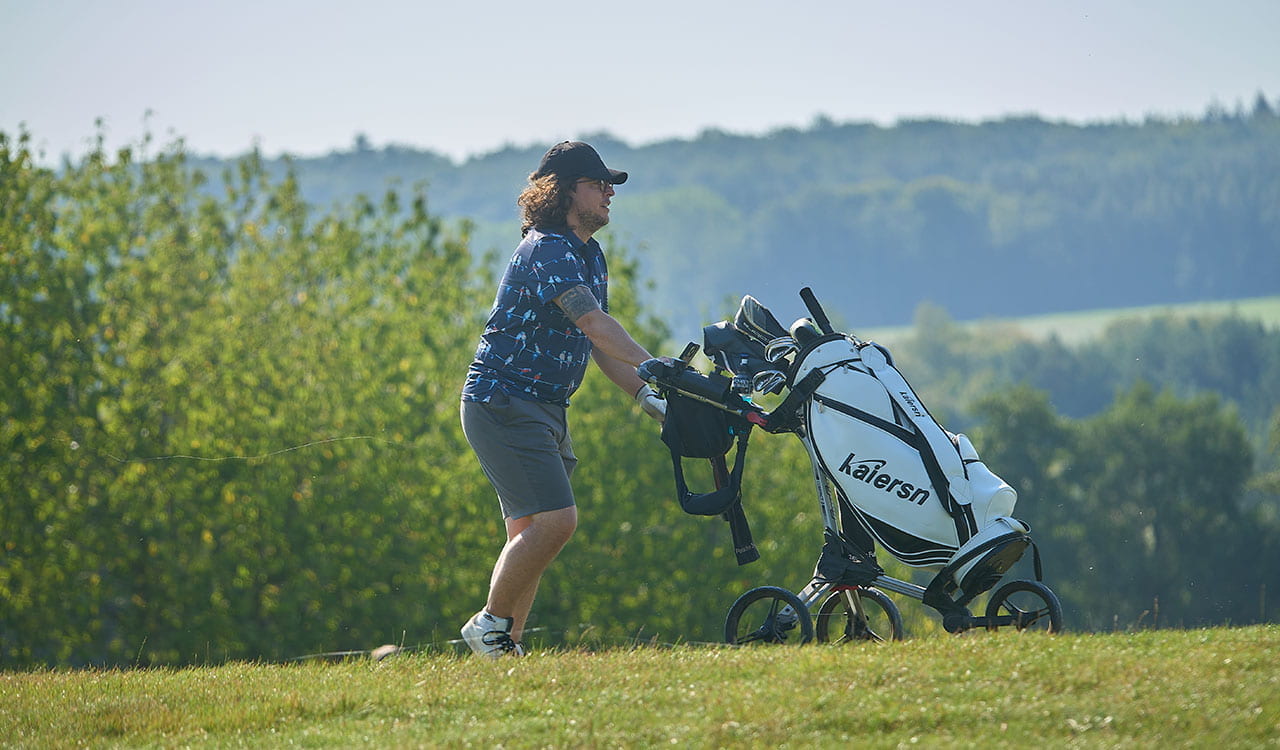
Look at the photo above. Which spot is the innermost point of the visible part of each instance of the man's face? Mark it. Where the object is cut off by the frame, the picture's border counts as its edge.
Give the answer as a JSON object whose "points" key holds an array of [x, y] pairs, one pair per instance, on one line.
{"points": [[590, 208]]}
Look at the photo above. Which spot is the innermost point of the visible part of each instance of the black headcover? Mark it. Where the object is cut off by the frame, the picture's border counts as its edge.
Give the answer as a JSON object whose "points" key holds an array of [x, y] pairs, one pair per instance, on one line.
{"points": [[736, 352], [756, 321]]}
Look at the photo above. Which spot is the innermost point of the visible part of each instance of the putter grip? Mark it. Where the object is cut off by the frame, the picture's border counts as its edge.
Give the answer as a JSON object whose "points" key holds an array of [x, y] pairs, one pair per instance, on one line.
{"points": [[819, 317]]}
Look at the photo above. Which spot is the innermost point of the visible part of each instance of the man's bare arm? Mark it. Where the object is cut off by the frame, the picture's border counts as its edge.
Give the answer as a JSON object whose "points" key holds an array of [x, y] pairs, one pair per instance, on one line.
{"points": [[577, 302], [613, 349], [606, 333], [622, 374]]}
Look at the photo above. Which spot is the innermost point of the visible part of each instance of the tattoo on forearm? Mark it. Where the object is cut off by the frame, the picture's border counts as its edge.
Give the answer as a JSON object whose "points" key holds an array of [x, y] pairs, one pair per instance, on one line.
{"points": [[577, 302]]}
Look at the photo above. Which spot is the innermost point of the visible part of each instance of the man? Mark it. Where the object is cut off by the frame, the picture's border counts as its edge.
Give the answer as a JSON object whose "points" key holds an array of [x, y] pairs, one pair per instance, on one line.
{"points": [[550, 313]]}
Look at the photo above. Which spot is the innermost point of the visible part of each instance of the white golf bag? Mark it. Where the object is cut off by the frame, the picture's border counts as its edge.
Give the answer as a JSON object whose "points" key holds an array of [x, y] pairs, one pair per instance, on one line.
{"points": [[901, 480], [920, 492]]}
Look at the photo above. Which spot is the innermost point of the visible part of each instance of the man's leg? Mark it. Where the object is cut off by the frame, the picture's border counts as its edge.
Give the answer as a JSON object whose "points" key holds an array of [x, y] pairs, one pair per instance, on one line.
{"points": [[532, 543]]}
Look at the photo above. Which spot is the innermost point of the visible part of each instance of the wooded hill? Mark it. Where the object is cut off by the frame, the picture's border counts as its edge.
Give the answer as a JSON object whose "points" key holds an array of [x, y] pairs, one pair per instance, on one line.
{"points": [[1004, 218]]}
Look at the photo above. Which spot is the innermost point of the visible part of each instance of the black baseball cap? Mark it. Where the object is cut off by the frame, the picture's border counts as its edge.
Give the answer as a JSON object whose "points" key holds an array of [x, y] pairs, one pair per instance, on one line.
{"points": [[573, 159]]}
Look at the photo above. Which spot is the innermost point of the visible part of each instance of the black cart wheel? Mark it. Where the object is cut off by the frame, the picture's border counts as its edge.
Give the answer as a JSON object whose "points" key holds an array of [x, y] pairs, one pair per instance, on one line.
{"points": [[768, 615], [858, 614], [1026, 605]]}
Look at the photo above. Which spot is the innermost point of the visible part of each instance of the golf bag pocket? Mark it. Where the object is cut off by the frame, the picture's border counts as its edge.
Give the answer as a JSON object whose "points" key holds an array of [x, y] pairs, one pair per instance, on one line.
{"points": [[993, 498]]}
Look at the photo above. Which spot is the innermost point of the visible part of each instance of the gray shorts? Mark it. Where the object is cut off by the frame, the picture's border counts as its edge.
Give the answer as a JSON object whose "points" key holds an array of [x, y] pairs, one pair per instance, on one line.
{"points": [[524, 450]]}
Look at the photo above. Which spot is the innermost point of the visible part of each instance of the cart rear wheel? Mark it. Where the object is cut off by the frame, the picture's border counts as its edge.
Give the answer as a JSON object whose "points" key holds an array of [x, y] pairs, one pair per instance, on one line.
{"points": [[858, 614], [768, 615]]}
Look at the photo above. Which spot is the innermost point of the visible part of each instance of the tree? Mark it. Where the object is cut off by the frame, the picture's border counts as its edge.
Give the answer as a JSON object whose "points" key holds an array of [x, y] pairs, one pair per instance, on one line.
{"points": [[1023, 440], [221, 412], [1161, 480], [1261, 107]]}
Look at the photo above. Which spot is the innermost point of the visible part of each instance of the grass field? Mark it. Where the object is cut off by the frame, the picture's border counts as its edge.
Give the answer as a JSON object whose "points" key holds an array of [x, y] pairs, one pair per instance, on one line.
{"points": [[1078, 327], [1216, 688]]}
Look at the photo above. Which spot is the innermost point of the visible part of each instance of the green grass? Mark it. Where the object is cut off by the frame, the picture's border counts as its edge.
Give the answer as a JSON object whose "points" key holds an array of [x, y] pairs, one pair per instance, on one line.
{"points": [[1079, 327], [1200, 688]]}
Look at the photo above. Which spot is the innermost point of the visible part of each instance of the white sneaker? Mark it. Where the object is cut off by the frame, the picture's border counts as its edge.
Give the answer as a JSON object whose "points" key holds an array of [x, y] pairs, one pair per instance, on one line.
{"points": [[491, 636]]}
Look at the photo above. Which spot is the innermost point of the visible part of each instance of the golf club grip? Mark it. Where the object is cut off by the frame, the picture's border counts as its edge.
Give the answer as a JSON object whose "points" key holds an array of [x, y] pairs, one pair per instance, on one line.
{"points": [[819, 317]]}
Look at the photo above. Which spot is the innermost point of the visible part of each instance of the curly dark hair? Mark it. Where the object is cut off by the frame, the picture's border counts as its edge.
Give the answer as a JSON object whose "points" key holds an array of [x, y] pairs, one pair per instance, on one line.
{"points": [[545, 202]]}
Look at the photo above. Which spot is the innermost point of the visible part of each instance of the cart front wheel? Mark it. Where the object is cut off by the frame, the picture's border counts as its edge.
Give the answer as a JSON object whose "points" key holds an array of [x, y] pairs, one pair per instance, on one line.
{"points": [[1026, 605]]}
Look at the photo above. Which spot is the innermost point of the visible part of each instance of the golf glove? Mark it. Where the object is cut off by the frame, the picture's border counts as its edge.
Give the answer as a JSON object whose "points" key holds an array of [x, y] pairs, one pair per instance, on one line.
{"points": [[652, 405]]}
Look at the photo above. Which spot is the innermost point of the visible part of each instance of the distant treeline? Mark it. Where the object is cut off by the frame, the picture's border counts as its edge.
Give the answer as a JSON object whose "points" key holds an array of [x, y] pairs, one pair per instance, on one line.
{"points": [[1004, 218]]}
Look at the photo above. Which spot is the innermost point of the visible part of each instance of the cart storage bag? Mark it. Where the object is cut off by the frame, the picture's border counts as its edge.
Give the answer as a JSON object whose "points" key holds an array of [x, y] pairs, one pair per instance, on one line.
{"points": [[693, 429]]}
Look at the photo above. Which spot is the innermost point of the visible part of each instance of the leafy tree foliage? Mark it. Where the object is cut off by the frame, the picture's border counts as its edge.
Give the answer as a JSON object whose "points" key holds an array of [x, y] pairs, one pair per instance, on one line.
{"points": [[231, 420], [1139, 510]]}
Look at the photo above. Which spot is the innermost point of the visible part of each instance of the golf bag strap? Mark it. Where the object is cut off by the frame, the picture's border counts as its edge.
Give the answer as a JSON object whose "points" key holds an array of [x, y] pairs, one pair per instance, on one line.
{"points": [[731, 479], [961, 513], [682, 487], [941, 458], [943, 450], [744, 547]]}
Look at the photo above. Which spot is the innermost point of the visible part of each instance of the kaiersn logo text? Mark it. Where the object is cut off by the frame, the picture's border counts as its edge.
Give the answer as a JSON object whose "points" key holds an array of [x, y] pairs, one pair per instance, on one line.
{"points": [[915, 407], [871, 471]]}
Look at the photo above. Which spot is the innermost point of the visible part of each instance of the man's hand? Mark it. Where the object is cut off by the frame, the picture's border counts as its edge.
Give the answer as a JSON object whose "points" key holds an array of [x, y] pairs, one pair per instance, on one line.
{"points": [[652, 405]]}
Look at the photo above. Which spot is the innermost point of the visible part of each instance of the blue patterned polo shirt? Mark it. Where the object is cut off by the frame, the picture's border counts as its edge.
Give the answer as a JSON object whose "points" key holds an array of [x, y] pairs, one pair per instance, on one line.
{"points": [[529, 348]]}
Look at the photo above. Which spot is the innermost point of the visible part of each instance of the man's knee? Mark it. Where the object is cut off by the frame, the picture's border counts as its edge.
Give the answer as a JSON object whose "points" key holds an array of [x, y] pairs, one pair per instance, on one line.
{"points": [[557, 525]]}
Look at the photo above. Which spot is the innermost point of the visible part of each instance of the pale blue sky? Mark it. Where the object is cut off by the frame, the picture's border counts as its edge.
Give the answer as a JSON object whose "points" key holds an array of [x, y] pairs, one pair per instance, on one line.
{"points": [[467, 78]]}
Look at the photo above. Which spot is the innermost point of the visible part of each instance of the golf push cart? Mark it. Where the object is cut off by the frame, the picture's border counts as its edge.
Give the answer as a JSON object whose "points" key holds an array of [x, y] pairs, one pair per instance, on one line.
{"points": [[885, 472]]}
